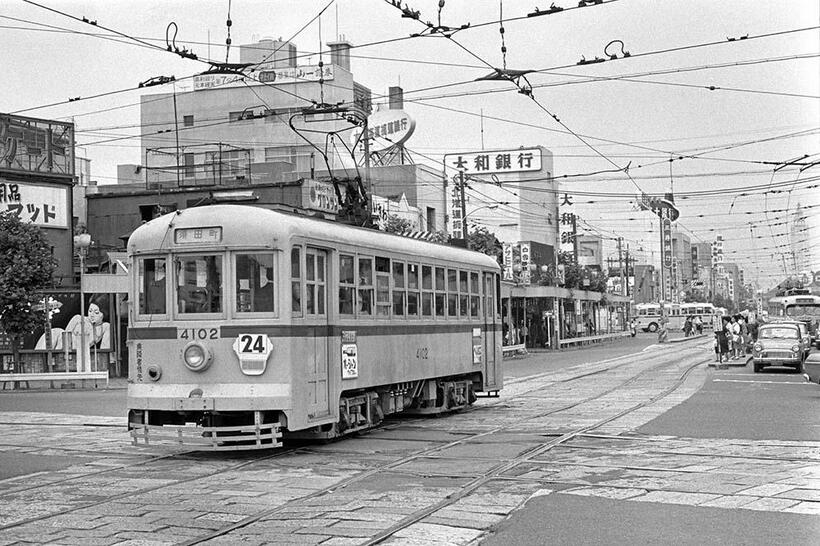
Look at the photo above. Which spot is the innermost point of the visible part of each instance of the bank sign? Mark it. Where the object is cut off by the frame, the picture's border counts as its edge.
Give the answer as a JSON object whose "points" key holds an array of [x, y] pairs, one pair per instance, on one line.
{"points": [[495, 162]]}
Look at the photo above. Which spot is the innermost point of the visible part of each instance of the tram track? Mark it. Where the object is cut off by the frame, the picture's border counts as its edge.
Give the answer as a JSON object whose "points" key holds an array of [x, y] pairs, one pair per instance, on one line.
{"points": [[391, 466], [477, 482]]}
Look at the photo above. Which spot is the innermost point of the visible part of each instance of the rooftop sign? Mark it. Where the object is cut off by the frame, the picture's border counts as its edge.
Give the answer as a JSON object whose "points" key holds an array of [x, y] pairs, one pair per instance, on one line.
{"points": [[498, 161]]}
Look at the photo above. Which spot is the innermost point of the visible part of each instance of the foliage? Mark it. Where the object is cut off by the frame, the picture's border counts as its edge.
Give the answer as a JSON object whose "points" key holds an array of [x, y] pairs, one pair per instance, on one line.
{"points": [[26, 268], [482, 240], [396, 224]]}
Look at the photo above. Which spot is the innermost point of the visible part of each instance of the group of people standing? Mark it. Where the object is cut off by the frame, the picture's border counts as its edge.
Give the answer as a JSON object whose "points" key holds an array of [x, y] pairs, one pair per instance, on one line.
{"points": [[693, 325], [734, 339]]}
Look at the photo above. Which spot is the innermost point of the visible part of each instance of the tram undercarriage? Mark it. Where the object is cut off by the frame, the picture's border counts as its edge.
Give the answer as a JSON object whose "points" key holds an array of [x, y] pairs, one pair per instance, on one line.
{"points": [[358, 411]]}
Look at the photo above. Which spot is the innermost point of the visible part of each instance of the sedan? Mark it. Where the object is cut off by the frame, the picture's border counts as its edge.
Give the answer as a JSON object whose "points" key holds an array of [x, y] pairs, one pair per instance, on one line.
{"points": [[778, 344], [812, 368]]}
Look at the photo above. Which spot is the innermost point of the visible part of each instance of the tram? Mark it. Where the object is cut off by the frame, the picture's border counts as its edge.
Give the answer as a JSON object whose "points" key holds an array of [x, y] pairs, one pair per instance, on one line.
{"points": [[250, 326]]}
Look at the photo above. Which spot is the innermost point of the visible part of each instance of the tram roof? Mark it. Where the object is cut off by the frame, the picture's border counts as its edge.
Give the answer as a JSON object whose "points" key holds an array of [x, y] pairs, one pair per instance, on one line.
{"points": [[249, 226]]}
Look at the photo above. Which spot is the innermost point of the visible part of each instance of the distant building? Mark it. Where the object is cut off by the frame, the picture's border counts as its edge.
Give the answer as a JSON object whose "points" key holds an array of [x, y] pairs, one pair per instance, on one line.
{"points": [[646, 284]]}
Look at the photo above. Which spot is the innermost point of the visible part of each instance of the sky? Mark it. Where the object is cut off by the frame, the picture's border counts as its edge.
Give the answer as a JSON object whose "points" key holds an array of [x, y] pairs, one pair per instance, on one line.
{"points": [[727, 111]]}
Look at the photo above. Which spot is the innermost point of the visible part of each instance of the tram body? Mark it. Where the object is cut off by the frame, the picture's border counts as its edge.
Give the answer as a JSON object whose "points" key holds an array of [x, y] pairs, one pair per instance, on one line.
{"points": [[249, 325]]}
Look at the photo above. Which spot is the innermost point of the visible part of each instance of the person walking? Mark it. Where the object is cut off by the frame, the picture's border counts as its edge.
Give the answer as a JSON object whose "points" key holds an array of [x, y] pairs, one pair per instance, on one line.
{"points": [[698, 325], [687, 327]]}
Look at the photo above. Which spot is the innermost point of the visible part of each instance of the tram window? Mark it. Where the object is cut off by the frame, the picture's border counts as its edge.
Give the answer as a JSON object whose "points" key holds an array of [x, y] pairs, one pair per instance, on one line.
{"points": [[365, 286], [254, 283], [347, 284], [152, 286], [463, 298], [441, 292], [199, 284], [452, 292], [383, 286], [488, 295], [412, 290], [475, 298], [427, 287], [315, 282], [399, 285], [296, 281]]}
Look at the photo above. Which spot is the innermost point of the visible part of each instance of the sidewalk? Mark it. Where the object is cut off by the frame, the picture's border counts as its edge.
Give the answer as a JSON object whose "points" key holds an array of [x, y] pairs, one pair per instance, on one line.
{"points": [[69, 383]]}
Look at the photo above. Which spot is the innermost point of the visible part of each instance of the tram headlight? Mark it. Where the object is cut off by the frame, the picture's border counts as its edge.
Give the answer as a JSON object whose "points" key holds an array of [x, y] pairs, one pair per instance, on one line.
{"points": [[197, 357]]}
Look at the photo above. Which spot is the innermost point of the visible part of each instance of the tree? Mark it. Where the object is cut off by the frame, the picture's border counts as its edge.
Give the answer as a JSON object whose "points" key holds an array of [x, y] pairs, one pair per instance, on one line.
{"points": [[481, 240], [26, 268], [396, 224]]}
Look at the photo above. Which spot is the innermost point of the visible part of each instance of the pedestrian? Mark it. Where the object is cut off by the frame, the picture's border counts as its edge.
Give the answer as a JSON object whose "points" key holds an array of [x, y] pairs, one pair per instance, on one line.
{"points": [[745, 337], [722, 340], [699, 325], [524, 333], [687, 327], [633, 327], [736, 340], [663, 333]]}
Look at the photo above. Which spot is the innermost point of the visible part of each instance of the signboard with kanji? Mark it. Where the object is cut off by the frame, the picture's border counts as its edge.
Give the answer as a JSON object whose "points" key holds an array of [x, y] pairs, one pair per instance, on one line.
{"points": [[567, 224], [45, 206], [493, 162]]}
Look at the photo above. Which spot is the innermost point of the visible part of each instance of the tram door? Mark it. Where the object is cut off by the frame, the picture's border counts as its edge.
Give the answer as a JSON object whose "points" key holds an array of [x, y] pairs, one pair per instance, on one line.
{"points": [[491, 323], [316, 298]]}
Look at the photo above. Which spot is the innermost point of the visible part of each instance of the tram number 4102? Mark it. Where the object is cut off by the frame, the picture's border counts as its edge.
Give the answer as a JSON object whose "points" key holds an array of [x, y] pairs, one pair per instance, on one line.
{"points": [[421, 353], [197, 333]]}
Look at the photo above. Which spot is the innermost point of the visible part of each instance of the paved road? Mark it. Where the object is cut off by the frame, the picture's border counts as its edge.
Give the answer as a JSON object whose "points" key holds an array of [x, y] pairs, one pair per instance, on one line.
{"points": [[754, 425], [555, 459]]}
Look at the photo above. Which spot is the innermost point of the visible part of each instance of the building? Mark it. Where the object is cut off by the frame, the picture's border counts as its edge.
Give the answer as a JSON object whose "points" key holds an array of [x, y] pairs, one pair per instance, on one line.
{"points": [[647, 284], [681, 263], [800, 248], [225, 123]]}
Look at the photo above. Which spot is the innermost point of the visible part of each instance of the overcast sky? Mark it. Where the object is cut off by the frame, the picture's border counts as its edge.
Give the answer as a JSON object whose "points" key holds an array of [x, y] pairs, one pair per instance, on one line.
{"points": [[764, 108]]}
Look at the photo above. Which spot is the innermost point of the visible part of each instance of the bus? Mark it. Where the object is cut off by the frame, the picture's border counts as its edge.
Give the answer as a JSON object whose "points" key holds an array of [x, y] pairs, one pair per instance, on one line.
{"points": [[648, 315], [802, 306]]}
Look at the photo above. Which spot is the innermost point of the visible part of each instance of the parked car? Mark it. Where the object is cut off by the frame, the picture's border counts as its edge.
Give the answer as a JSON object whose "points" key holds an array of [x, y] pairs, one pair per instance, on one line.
{"points": [[811, 367], [779, 344]]}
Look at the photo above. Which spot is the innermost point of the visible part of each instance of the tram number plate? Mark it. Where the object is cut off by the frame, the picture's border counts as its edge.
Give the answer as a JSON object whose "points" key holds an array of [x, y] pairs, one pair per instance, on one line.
{"points": [[192, 334]]}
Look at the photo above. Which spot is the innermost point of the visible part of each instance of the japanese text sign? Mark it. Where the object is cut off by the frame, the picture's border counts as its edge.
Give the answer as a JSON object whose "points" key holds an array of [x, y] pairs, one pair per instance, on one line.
{"points": [[499, 161], [45, 206]]}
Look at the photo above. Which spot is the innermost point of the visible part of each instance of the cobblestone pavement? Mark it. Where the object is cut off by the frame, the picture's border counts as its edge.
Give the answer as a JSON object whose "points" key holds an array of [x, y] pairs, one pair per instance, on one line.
{"points": [[443, 480]]}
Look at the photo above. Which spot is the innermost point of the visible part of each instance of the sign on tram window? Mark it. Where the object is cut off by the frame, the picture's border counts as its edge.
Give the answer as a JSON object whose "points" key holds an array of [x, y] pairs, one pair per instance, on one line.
{"points": [[198, 235]]}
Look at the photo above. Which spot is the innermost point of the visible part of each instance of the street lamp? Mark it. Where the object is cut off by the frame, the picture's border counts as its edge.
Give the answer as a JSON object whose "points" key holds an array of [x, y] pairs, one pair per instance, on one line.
{"points": [[82, 242]]}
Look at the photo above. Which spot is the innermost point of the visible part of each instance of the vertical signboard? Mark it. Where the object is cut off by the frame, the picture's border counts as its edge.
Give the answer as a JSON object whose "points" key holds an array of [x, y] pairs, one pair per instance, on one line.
{"points": [[508, 261], [525, 262], [567, 225]]}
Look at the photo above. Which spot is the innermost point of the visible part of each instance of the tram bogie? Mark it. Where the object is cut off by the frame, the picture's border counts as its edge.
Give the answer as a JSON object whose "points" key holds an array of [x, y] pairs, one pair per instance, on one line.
{"points": [[250, 327]]}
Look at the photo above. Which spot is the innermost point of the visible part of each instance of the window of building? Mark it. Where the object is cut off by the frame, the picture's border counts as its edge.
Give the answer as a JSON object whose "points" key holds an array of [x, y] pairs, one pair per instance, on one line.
{"points": [[188, 121], [431, 219], [152, 286], [199, 284], [190, 165], [254, 283]]}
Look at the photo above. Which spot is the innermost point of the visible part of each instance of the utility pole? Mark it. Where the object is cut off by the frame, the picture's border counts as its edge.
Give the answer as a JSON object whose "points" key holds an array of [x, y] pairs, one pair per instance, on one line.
{"points": [[176, 133], [621, 265], [463, 208], [626, 286]]}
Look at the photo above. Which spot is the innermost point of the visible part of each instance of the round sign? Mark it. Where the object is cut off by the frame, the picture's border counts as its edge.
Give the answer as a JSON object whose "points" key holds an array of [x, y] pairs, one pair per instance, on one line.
{"points": [[387, 128]]}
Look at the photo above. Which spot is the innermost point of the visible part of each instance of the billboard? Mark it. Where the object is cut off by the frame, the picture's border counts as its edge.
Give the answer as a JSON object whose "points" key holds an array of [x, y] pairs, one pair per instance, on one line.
{"points": [[44, 206], [493, 162]]}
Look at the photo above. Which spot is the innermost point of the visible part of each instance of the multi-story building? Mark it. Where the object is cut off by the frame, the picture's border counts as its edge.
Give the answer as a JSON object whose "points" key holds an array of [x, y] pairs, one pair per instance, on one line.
{"points": [[702, 269], [646, 288], [223, 124], [681, 262]]}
